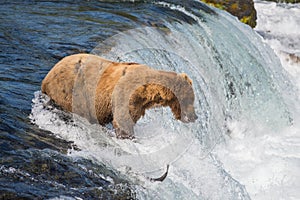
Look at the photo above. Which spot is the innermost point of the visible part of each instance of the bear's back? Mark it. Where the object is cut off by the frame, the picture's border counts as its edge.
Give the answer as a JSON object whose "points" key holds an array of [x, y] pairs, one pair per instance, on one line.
{"points": [[72, 75]]}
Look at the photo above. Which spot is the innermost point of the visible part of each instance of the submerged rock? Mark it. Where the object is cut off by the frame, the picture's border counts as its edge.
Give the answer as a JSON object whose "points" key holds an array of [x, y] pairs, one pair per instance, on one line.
{"points": [[243, 9]]}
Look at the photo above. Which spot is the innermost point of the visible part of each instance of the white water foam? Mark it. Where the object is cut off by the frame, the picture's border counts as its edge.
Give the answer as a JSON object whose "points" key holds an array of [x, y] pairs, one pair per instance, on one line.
{"points": [[193, 173], [279, 23], [267, 162], [255, 155]]}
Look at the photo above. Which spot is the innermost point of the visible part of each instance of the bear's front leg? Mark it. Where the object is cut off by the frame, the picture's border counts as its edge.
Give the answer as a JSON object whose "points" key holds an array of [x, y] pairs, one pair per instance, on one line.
{"points": [[121, 134], [123, 131]]}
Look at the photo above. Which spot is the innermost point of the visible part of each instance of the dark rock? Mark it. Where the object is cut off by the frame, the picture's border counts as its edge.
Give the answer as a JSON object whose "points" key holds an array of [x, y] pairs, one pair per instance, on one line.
{"points": [[243, 9], [285, 1]]}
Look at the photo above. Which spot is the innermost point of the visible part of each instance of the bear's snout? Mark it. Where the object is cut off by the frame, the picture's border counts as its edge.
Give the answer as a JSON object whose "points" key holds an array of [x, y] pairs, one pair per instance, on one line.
{"points": [[186, 118], [193, 118]]}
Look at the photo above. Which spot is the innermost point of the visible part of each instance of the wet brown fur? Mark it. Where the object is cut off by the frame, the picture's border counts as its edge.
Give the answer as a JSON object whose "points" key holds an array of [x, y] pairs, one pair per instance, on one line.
{"points": [[152, 95], [90, 80]]}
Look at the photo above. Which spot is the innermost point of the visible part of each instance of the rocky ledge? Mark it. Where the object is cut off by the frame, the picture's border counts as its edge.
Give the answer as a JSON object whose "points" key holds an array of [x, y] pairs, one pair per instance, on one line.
{"points": [[243, 9]]}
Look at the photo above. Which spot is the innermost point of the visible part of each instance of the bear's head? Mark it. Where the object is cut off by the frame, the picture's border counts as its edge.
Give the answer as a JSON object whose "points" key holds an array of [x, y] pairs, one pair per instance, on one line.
{"points": [[185, 95], [176, 92], [144, 88]]}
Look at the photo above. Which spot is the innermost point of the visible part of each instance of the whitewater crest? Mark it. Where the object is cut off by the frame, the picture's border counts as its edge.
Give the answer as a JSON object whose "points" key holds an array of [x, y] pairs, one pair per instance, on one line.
{"points": [[236, 78]]}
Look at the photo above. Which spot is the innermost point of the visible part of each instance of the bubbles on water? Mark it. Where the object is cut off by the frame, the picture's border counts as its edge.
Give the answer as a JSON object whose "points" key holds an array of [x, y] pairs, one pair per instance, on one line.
{"points": [[156, 134], [226, 88]]}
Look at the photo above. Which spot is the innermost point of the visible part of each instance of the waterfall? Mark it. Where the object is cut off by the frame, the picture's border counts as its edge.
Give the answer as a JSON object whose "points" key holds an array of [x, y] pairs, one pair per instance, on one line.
{"points": [[236, 79]]}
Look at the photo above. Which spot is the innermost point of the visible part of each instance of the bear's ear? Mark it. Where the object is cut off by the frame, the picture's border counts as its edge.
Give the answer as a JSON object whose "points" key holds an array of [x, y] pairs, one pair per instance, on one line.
{"points": [[185, 77]]}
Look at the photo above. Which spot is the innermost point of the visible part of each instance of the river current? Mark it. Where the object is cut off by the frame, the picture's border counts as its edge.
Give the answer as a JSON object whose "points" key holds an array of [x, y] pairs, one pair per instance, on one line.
{"points": [[47, 153]]}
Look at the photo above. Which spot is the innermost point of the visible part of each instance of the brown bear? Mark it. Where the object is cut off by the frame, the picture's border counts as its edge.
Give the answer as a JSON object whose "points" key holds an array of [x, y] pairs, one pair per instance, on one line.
{"points": [[104, 91]]}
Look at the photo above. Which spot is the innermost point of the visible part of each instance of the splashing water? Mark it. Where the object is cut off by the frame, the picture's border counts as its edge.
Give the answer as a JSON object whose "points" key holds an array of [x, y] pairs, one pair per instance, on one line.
{"points": [[240, 90]]}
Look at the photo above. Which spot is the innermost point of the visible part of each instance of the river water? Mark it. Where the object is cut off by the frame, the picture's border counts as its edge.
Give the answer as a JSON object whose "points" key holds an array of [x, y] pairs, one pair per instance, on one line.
{"points": [[49, 154]]}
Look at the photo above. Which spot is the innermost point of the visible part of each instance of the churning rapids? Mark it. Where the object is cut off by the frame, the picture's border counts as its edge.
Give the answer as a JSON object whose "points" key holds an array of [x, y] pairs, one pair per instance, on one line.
{"points": [[241, 93]]}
